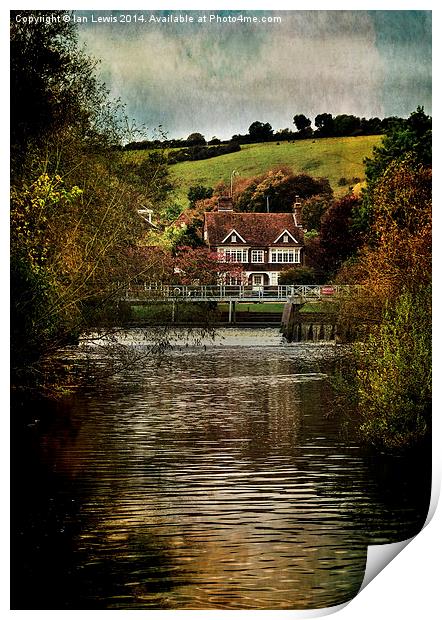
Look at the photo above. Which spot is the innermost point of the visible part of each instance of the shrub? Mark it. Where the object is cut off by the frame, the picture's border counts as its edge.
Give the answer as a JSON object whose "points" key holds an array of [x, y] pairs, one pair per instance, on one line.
{"points": [[297, 275], [394, 376]]}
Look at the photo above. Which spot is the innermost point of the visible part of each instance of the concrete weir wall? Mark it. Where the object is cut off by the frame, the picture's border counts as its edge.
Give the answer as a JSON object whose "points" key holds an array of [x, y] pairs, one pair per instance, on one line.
{"points": [[313, 321]]}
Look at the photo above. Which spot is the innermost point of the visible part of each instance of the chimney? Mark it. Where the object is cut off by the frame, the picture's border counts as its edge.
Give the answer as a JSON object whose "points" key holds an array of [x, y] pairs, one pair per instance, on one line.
{"points": [[225, 203], [297, 212]]}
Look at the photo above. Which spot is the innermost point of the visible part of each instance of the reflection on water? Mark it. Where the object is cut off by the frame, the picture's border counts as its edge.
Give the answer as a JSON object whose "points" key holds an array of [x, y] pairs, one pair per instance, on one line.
{"points": [[218, 479]]}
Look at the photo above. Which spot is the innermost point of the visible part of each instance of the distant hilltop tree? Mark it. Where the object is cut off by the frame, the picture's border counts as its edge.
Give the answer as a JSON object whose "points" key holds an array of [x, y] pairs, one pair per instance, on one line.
{"points": [[303, 125], [325, 125], [195, 139], [260, 132], [301, 122], [285, 134], [197, 152], [347, 125]]}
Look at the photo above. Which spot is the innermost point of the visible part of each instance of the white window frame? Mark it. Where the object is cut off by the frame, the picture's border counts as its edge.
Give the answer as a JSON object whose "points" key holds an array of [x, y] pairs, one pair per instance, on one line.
{"points": [[274, 277], [285, 255], [257, 256], [234, 255], [233, 280]]}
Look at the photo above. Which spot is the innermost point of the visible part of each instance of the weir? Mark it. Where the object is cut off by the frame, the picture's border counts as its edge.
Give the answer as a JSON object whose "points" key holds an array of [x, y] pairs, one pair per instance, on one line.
{"points": [[314, 321]]}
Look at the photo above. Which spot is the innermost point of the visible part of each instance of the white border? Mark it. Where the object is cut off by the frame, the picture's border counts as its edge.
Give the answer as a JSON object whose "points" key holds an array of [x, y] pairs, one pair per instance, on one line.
{"points": [[409, 586]]}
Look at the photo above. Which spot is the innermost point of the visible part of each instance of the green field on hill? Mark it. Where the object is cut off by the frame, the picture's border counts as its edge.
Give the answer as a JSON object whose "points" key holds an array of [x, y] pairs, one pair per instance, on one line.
{"points": [[333, 158]]}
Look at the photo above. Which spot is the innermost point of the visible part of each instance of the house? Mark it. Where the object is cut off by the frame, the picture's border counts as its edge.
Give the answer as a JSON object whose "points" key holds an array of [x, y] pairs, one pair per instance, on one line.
{"points": [[264, 244]]}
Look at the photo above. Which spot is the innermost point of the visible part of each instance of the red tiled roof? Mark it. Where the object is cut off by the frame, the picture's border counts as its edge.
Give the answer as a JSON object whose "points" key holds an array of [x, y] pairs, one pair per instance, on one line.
{"points": [[257, 229]]}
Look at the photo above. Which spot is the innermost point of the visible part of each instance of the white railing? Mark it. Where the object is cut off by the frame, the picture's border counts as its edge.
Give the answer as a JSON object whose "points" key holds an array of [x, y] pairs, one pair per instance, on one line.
{"points": [[219, 292]]}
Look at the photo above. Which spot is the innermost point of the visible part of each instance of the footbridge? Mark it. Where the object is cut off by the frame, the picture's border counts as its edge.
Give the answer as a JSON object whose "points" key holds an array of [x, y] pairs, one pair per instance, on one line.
{"points": [[293, 298], [142, 293]]}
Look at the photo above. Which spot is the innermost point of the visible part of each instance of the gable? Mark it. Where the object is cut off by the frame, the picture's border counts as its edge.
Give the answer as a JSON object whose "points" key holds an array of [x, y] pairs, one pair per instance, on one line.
{"points": [[233, 237], [281, 237]]}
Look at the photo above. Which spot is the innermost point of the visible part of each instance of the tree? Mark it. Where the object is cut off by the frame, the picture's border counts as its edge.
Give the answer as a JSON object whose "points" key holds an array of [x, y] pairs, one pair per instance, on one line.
{"points": [[337, 240], [297, 275], [398, 256], [74, 220], [314, 256], [151, 178], [76, 253], [285, 134], [346, 125], [371, 126], [393, 366], [324, 123], [301, 122], [312, 211], [279, 189], [172, 211], [188, 265], [198, 192], [394, 378], [260, 132], [195, 139], [406, 139], [54, 92], [303, 125]]}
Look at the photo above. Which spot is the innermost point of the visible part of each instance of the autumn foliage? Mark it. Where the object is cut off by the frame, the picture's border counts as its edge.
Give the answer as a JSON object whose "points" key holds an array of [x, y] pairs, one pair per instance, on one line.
{"points": [[392, 379], [398, 254]]}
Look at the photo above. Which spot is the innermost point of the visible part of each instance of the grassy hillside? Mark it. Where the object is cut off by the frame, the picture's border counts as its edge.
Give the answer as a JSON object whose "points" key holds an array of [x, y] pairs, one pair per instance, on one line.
{"points": [[332, 158]]}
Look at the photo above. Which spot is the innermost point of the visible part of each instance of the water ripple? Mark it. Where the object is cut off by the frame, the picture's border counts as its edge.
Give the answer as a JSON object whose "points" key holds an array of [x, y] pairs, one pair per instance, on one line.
{"points": [[215, 479]]}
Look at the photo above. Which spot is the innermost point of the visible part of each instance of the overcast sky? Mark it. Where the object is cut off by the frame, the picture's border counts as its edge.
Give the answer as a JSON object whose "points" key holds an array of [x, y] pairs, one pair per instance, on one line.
{"points": [[217, 78]]}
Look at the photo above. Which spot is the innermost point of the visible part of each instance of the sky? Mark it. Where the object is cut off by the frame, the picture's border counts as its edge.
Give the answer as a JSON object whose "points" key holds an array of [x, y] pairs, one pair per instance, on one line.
{"points": [[217, 76]]}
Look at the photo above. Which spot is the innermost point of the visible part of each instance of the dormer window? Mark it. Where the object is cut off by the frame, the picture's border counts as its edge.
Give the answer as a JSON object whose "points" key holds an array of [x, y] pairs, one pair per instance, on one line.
{"points": [[233, 237], [285, 237]]}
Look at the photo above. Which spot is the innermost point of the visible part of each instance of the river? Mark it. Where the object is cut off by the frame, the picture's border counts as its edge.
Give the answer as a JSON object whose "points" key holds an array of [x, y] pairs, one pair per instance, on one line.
{"points": [[216, 476]]}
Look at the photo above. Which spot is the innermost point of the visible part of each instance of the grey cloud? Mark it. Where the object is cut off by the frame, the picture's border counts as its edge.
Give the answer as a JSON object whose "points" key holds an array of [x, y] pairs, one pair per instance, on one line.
{"points": [[218, 80]]}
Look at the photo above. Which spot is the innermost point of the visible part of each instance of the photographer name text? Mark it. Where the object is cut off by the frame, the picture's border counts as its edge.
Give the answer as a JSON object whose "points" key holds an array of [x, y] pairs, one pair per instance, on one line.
{"points": [[147, 18]]}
